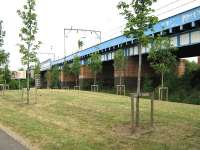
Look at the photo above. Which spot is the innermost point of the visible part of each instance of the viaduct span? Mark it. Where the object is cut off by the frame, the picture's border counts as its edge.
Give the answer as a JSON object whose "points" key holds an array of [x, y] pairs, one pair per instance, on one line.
{"points": [[183, 29]]}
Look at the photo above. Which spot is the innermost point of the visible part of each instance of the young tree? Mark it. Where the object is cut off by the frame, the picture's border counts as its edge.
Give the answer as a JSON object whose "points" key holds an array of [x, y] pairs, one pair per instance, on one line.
{"points": [[138, 14], [75, 68], [95, 65], [3, 55], [162, 56], [119, 63], [55, 77], [37, 69], [48, 78], [37, 75], [29, 44], [66, 69], [7, 74]]}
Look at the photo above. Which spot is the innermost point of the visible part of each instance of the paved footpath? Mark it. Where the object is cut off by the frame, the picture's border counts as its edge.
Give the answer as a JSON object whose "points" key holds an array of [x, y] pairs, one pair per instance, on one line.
{"points": [[8, 143]]}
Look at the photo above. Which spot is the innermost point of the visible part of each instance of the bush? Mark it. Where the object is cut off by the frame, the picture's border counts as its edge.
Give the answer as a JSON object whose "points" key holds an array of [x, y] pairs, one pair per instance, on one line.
{"points": [[14, 84], [148, 84], [185, 89]]}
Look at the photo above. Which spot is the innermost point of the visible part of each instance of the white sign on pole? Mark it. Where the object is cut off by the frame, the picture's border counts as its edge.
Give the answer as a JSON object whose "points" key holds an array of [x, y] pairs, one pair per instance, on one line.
{"points": [[18, 75]]}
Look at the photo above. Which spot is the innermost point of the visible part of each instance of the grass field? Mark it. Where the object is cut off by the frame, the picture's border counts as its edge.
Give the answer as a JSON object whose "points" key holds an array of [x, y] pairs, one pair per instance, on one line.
{"points": [[63, 120]]}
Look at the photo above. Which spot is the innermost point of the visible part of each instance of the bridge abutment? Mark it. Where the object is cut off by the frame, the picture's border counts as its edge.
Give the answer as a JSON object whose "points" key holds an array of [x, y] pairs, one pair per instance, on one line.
{"points": [[181, 67]]}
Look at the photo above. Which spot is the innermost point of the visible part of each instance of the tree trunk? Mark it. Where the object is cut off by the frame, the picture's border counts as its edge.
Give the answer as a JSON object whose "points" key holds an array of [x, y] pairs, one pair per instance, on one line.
{"points": [[28, 88], [162, 79], [76, 81], [120, 78], [138, 85], [162, 84], [152, 109], [28, 71], [120, 82], [95, 78]]}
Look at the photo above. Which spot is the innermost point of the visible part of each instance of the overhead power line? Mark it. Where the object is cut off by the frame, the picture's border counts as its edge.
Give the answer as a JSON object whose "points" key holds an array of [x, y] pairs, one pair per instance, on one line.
{"points": [[175, 8], [167, 5]]}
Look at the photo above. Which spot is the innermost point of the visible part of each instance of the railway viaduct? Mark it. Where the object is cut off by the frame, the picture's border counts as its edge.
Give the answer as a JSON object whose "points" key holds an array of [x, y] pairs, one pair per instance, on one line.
{"points": [[183, 29]]}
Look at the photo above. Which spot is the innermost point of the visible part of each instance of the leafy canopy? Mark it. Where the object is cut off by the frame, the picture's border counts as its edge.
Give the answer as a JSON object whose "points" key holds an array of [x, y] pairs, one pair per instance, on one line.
{"points": [[119, 59], [75, 67], [66, 68], [28, 32], [138, 14], [37, 69], [95, 63], [162, 55], [3, 55], [55, 76]]}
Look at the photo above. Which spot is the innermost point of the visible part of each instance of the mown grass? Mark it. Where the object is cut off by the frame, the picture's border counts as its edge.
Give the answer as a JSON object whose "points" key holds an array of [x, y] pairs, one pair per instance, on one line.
{"points": [[64, 119]]}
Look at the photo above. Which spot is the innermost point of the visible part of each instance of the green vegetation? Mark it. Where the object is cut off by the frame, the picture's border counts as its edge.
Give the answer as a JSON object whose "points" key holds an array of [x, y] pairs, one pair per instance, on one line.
{"points": [[65, 120], [95, 65], [55, 73], [4, 71], [66, 69], [75, 68], [140, 18], [162, 56], [186, 88], [29, 45], [183, 89], [119, 63]]}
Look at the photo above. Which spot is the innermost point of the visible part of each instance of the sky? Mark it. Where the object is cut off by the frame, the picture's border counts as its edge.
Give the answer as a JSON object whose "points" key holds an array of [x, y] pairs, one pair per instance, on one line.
{"points": [[55, 15]]}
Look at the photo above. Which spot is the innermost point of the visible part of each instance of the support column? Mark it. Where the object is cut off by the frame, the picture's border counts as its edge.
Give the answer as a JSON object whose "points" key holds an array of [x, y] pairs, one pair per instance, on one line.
{"points": [[131, 72], [85, 77], [198, 60], [67, 80], [181, 67]]}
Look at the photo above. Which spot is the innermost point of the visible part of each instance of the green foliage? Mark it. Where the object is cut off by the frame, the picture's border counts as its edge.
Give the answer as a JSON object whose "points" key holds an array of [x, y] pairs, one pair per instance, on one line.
{"points": [[119, 59], [48, 78], [37, 69], [119, 62], [185, 89], [95, 64], [2, 34], [75, 67], [29, 45], [28, 32], [66, 68], [7, 74], [3, 55], [148, 84], [55, 72], [14, 84], [162, 55], [138, 14]]}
